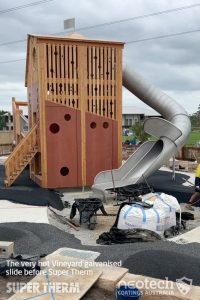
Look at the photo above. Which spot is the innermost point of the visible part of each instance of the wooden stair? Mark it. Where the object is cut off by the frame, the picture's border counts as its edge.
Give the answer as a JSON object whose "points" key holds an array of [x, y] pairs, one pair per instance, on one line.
{"points": [[21, 156]]}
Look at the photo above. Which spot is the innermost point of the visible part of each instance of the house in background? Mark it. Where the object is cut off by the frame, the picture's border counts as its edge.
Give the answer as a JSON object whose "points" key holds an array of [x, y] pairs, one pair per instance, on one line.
{"points": [[133, 114], [8, 122], [7, 119]]}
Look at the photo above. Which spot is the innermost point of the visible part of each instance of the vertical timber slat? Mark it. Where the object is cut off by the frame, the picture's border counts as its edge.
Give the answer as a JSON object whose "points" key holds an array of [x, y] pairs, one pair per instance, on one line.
{"points": [[42, 97], [105, 82], [119, 101], [101, 76], [53, 73], [62, 82], [50, 72], [74, 83], [82, 53], [89, 79]]}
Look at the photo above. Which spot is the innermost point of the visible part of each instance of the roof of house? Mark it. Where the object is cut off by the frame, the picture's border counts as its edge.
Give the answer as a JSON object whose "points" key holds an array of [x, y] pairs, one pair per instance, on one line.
{"points": [[133, 110]]}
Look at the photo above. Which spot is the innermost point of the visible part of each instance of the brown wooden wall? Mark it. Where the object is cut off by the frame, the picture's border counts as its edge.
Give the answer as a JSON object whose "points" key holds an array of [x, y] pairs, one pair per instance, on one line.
{"points": [[63, 66], [63, 146], [101, 145]]}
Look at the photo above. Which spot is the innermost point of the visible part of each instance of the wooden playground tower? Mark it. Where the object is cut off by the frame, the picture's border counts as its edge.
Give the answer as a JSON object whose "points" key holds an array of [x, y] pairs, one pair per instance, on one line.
{"points": [[74, 108]]}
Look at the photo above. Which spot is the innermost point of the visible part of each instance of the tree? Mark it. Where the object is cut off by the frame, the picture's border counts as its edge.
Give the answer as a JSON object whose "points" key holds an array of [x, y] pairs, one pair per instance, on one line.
{"points": [[139, 132], [195, 118]]}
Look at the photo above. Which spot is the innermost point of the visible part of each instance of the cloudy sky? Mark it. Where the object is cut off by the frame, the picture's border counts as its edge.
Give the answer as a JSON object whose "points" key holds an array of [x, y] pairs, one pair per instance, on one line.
{"points": [[171, 63]]}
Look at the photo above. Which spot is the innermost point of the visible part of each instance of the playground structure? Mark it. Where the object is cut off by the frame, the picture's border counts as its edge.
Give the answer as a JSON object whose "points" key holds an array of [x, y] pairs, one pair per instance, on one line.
{"points": [[74, 108]]}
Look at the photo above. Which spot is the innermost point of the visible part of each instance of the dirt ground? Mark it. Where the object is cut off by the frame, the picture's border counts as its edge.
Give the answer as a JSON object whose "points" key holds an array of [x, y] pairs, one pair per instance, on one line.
{"points": [[87, 237], [104, 223]]}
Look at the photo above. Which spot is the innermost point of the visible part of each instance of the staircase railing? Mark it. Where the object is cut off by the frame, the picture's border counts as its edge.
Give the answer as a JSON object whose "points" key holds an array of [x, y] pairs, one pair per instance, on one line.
{"points": [[21, 156]]}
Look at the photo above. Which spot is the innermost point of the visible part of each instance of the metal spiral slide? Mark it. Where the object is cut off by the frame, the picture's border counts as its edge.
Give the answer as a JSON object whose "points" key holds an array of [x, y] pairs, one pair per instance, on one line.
{"points": [[171, 133]]}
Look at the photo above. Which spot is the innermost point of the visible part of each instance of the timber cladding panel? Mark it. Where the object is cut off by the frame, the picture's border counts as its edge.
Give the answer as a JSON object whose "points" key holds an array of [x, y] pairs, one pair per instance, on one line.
{"points": [[101, 146], [62, 74], [63, 146], [84, 76], [63, 84], [101, 81]]}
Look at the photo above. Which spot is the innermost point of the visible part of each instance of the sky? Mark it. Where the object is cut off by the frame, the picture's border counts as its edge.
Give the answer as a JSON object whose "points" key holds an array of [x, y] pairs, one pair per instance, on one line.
{"points": [[171, 63]]}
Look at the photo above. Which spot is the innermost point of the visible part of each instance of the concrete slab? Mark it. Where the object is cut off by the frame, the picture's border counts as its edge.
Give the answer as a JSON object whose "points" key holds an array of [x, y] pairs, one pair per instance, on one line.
{"points": [[192, 236], [54, 283], [76, 253], [14, 212], [107, 281]]}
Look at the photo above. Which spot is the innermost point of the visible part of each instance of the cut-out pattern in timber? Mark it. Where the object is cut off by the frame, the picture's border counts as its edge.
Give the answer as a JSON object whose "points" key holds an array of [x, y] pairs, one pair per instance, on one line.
{"points": [[63, 69], [62, 74], [101, 81]]}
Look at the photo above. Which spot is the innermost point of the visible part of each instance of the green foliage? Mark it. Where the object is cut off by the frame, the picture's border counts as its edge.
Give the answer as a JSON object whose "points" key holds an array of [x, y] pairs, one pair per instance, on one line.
{"points": [[139, 133], [195, 118], [193, 138], [127, 138]]}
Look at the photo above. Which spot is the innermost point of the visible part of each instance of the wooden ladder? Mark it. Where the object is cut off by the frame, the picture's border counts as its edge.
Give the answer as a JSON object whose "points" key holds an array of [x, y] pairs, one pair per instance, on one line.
{"points": [[20, 157]]}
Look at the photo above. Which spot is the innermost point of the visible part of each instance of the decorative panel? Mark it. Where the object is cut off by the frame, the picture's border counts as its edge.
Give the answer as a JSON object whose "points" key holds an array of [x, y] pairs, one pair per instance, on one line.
{"points": [[62, 74], [101, 81]]}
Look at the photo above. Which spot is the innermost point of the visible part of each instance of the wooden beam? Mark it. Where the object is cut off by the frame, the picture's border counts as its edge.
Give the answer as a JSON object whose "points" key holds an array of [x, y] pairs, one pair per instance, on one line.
{"points": [[21, 103], [119, 102], [82, 67], [42, 111]]}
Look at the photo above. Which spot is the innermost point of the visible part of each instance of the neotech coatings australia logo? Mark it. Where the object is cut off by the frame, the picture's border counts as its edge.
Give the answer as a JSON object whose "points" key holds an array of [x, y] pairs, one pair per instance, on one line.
{"points": [[184, 285]]}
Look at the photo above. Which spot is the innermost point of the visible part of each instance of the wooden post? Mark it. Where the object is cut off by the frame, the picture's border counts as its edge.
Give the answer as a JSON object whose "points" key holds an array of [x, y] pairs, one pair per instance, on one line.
{"points": [[119, 101], [82, 67], [42, 97]]}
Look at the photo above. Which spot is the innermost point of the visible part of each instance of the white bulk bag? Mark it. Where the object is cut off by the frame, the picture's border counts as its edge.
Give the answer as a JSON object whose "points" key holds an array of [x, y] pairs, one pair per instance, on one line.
{"points": [[171, 201], [135, 216], [170, 205]]}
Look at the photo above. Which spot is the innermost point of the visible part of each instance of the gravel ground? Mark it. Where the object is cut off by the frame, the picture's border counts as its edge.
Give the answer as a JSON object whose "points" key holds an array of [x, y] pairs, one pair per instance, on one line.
{"points": [[159, 259], [153, 259], [165, 264], [25, 191], [36, 239]]}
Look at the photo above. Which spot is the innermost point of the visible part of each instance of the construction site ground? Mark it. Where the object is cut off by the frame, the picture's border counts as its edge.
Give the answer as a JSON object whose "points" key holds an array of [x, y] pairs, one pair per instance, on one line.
{"points": [[36, 230]]}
